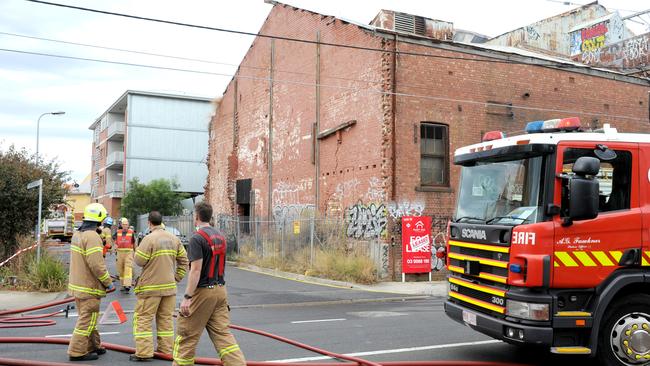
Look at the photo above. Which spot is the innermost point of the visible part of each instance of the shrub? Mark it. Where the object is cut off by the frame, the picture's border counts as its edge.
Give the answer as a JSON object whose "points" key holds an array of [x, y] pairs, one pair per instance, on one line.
{"points": [[47, 275]]}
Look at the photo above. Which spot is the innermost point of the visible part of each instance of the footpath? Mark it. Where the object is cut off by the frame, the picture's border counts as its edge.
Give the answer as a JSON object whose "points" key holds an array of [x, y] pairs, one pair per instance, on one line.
{"points": [[15, 299]]}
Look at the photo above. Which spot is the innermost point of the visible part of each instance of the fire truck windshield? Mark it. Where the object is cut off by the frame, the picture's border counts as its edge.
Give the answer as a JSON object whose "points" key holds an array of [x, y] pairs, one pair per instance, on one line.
{"points": [[506, 192]]}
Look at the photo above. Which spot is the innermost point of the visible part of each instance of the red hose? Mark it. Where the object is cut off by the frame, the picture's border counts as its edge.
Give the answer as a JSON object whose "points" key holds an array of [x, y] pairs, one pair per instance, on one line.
{"points": [[17, 362]]}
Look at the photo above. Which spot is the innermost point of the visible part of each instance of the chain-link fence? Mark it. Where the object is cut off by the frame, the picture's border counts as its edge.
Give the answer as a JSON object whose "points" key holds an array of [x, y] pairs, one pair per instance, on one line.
{"points": [[313, 245]]}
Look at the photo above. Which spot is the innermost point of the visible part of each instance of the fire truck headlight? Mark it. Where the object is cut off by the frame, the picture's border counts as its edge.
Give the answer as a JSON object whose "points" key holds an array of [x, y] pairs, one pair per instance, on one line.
{"points": [[527, 310]]}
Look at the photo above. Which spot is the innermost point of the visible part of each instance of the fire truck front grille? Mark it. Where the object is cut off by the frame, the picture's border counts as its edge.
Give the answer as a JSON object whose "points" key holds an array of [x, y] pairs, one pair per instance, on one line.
{"points": [[479, 274]]}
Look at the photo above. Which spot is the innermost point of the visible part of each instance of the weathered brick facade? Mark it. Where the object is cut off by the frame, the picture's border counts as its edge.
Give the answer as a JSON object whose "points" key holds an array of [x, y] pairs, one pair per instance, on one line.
{"points": [[366, 170]]}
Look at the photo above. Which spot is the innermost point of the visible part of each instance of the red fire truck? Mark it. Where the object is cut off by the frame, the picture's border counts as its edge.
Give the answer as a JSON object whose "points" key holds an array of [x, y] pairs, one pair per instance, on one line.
{"points": [[550, 241]]}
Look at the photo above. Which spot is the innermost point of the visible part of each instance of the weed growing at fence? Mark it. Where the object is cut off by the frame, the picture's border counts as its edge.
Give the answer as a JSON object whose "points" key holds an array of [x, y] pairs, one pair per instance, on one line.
{"points": [[25, 274]]}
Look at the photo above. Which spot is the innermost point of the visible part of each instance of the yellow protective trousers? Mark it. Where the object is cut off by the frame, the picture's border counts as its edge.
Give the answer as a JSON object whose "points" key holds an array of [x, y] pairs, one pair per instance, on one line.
{"points": [[147, 308], [209, 310], [85, 337], [125, 266]]}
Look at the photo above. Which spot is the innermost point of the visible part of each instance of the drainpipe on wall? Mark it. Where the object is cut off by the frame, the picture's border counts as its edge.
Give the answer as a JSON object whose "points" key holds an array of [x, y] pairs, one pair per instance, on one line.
{"points": [[269, 210], [394, 108], [316, 130]]}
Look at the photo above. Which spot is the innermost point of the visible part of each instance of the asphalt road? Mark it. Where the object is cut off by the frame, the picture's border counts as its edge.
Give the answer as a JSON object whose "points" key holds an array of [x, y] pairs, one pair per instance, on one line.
{"points": [[372, 325]]}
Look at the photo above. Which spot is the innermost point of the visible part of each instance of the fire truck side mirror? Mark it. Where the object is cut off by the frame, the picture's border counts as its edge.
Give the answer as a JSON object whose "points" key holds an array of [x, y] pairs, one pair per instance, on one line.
{"points": [[583, 199]]}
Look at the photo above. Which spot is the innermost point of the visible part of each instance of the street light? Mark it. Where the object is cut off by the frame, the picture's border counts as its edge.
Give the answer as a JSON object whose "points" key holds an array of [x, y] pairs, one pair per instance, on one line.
{"points": [[39, 183], [38, 127]]}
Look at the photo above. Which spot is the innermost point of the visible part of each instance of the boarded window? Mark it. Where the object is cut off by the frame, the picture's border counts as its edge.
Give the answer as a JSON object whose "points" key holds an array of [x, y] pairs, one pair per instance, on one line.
{"points": [[434, 154]]}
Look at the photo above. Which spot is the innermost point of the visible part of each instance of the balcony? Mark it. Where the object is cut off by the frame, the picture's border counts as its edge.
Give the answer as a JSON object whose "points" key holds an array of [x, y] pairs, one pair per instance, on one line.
{"points": [[115, 189], [115, 160], [115, 131]]}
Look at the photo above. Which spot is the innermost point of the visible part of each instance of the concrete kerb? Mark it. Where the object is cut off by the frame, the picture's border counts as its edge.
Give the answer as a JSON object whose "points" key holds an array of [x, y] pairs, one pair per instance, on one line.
{"points": [[434, 288]]}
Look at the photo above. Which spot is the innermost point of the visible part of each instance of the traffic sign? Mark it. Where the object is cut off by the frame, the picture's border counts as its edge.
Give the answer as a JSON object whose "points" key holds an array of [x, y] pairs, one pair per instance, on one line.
{"points": [[35, 183]]}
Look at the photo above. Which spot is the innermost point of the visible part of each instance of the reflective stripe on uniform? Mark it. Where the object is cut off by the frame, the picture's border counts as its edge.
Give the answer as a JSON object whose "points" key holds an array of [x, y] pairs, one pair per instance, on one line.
{"points": [[227, 350], [178, 360], [87, 290], [86, 252], [90, 329], [165, 286], [142, 254], [124, 249], [105, 277], [165, 333], [162, 252]]}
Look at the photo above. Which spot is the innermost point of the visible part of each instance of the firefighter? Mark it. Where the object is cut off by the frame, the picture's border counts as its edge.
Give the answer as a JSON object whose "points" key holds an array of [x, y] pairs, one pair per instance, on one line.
{"points": [[205, 303], [107, 235], [125, 241], [164, 263], [88, 283]]}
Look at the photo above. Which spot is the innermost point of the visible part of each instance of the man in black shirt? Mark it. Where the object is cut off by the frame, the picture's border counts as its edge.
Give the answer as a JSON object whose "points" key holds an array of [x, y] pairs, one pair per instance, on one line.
{"points": [[205, 304]]}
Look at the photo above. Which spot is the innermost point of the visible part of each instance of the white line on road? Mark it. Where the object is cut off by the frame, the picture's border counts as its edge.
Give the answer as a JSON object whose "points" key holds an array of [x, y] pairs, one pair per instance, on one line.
{"points": [[70, 335], [386, 351], [318, 321]]}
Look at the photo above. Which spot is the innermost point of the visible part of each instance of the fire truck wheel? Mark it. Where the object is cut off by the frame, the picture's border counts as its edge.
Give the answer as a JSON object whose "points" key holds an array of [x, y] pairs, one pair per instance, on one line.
{"points": [[624, 338]]}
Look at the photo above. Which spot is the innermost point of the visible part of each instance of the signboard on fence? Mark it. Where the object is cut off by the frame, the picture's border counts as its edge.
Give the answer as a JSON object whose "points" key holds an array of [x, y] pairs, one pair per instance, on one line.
{"points": [[416, 244]]}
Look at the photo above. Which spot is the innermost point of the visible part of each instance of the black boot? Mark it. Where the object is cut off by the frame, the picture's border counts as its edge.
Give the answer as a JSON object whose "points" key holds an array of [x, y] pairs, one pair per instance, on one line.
{"points": [[100, 351], [87, 357], [134, 358]]}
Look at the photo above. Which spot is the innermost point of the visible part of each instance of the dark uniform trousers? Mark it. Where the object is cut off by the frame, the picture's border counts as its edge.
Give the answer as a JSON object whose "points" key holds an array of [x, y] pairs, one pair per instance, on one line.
{"points": [[209, 310], [85, 337]]}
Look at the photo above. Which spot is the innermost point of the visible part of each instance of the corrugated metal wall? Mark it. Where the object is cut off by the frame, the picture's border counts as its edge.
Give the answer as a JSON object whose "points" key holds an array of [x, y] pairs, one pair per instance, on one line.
{"points": [[168, 138]]}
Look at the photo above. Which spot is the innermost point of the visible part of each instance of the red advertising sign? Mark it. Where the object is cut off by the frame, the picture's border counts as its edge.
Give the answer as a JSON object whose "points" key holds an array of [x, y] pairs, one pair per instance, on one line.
{"points": [[416, 244]]}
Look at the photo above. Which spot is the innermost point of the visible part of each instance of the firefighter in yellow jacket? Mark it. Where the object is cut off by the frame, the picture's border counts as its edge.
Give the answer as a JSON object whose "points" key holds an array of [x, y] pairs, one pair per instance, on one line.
{"points": [[88, 283], [125, 241], [164, 263]]}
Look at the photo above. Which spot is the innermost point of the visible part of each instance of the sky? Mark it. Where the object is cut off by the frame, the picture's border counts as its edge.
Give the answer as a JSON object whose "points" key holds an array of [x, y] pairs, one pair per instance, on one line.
{"points": [[31, 85]]}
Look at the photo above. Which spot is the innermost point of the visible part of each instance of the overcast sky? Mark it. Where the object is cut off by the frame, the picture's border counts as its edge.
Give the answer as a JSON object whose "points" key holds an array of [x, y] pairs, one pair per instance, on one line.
{"points": [[31, 85]]}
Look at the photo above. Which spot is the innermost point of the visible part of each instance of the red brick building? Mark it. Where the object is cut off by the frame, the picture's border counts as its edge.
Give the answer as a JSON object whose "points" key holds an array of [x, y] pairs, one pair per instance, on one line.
{"points": [[367, 132]]}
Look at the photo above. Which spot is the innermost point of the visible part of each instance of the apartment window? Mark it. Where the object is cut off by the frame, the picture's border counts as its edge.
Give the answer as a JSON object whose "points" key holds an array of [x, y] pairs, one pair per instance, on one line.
{"points": [[434, 154]]}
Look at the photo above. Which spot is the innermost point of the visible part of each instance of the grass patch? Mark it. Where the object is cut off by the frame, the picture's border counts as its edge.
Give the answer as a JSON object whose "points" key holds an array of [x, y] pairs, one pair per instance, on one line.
{"points": [[26, 274], [333, 263]]}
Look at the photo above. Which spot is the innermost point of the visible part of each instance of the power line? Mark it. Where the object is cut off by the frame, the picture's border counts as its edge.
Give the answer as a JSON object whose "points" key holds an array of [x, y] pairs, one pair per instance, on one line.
{"points": [[398, 94], [361, 48]]}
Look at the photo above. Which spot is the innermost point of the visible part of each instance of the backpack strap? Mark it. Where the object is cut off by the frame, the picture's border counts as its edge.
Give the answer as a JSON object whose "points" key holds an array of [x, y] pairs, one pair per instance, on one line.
{"points": [[218, 247]]}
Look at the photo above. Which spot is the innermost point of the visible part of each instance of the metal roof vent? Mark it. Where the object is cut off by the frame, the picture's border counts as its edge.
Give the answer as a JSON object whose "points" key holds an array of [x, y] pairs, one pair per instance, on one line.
{"points": [[408, 23]]}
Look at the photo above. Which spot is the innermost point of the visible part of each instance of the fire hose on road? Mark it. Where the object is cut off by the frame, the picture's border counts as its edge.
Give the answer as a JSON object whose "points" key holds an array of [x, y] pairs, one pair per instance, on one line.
{"points": [[37, 320]]}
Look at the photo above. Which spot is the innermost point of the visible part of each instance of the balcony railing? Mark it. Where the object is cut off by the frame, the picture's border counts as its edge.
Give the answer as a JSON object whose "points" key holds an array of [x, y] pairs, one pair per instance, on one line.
{"points": [[115, 131], [115, 160], [115, 189]]}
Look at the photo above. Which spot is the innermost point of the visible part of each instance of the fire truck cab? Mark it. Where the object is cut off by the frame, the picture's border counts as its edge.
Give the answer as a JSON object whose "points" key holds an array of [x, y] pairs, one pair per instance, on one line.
{"points": [[550, 241]]}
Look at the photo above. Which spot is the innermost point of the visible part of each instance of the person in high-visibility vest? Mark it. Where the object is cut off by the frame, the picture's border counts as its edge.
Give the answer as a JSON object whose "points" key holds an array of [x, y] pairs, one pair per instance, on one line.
{"points": [[107, 235], [164, 263], [88, 282], [205, 303], [125, 241]]}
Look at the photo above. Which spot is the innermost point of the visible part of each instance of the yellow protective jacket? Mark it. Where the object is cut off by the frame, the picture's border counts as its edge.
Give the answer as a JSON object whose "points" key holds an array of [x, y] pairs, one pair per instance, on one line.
{"points": [[164, 263], [107, 237], [88, 275]]}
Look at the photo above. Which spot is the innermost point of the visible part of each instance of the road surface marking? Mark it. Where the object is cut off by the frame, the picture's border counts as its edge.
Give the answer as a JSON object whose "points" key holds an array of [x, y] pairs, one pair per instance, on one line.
{"points": [[386, 351], [70, 335], [318, 321]]}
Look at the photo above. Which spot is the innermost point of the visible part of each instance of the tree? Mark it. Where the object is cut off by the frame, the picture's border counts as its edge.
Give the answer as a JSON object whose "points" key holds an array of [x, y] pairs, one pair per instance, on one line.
{"points": [[18, 205], [159, 195]]}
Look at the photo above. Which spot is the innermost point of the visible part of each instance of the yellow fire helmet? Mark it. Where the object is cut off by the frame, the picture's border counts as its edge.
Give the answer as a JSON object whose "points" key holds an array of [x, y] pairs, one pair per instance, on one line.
{"points": [[124, 221], [162, 225], [95, 212]]}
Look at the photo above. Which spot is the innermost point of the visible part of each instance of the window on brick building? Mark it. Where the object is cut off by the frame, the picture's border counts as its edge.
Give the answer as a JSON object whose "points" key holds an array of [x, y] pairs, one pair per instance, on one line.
{"points": [[434, 154]]}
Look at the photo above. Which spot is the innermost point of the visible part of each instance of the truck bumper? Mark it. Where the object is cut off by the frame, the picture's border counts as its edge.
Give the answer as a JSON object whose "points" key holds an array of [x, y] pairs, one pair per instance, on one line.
{"points": [[495, 328]]}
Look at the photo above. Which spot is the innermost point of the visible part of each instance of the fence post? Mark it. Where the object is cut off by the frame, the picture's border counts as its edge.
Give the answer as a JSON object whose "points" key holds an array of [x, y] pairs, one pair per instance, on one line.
{"points": [[237, 235], [311, 241], [282, 240]]}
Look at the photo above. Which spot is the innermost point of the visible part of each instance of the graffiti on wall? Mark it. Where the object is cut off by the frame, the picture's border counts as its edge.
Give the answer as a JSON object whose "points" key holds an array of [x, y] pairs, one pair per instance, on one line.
{"points": [[631, 53], [635, 49], [405, 208], [376, 191], [596, 36], [286, 193], [288, 213], [532, 33], [366, 221]]}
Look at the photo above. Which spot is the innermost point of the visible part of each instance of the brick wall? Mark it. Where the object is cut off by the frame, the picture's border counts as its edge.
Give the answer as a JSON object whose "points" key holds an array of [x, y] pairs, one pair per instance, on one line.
{"points": [[356, 166]]}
